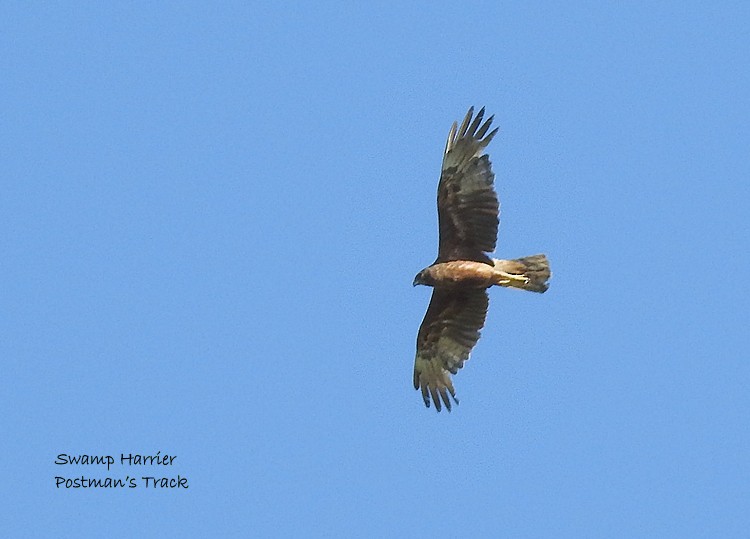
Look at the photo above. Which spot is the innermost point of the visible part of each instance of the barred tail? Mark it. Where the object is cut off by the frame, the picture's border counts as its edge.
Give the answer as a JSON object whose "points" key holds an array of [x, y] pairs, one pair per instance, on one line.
{"points": [[535, 268]]}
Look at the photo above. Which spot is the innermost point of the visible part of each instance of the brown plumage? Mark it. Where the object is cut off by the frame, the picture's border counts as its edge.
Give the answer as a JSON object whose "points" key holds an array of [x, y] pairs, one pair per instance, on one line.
{"points": [[468, 212]]}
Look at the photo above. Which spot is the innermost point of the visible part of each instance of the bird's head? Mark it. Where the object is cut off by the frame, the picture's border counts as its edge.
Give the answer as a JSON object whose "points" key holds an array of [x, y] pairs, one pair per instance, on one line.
{"points": [[420, 278]]}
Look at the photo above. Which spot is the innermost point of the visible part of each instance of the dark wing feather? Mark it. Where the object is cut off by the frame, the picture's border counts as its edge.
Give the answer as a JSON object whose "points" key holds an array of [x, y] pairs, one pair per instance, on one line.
{"points": [[468, 208], [448, 333]]}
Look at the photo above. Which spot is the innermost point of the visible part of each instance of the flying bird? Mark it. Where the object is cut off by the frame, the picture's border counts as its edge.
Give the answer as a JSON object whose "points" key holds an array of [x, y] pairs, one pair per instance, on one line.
{"points": [[468, 216]]}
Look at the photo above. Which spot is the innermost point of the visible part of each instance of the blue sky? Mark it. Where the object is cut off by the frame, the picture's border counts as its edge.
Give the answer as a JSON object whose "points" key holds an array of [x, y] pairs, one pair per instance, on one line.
{"points": [[211, 218]]}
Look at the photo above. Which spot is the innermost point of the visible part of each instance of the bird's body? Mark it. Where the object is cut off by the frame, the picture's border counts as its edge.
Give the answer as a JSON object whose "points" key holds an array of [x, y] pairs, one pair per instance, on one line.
{"points": [[459, 273], [470, 274], [468, 217]]}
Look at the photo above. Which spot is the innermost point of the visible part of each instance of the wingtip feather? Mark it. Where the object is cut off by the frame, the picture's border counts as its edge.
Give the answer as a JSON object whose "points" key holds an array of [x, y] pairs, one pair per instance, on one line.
{"points": [[451, 138], [437, 390], [485, 127], [489, 137], [475, 124], [465, 123]]}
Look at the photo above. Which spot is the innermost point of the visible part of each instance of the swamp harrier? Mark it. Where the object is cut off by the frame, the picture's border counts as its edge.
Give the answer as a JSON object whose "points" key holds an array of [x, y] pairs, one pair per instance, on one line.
{"points": [[468, 212]]}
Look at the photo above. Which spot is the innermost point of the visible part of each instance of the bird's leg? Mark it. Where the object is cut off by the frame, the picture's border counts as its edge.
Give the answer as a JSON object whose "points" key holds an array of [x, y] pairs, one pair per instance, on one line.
{"points": [[509, 279]]}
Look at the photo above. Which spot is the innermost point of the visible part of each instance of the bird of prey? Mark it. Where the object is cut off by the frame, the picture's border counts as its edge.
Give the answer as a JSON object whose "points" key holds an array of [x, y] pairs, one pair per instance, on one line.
{"points": [[468, 212]]}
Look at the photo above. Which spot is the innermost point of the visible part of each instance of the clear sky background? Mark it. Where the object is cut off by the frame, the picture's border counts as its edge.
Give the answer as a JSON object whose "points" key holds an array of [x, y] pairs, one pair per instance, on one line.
{"points": [[212, 214]]}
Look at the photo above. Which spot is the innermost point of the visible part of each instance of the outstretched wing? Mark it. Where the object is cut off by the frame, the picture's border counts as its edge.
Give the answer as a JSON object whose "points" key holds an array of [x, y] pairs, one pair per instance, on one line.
{"points": [[449, 331], [467, 204]]}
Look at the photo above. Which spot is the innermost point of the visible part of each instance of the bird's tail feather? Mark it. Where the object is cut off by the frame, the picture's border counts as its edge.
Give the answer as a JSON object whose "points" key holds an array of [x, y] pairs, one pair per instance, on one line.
{"points": [[535, 268]]}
